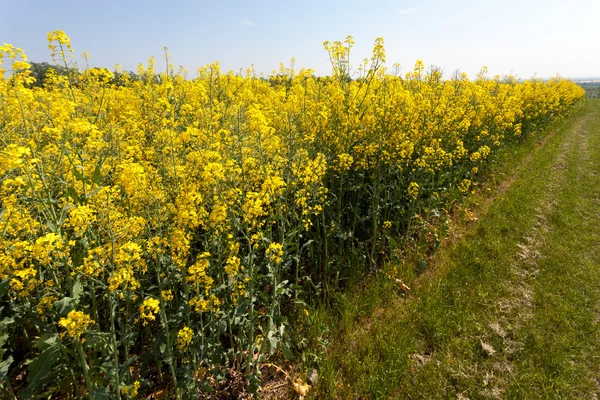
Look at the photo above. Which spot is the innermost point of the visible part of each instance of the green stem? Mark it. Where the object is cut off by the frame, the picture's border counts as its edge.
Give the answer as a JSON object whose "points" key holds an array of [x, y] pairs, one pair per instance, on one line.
{"points": [[86, 368], [94, 304], [165, 324], [252, 322], [117, 376], [10, 388]]}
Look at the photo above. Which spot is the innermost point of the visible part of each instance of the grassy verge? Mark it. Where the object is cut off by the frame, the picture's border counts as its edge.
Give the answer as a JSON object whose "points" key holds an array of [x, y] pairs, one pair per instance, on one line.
{"points": [[507, 309], [562, 338]]}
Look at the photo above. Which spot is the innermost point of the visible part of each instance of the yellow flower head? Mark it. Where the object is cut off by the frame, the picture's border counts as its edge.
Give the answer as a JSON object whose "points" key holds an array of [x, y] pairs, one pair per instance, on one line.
{"points": [[484, 150], [45, 304], [76, 323], [148, 310], [275, 252], [345, 161], [80, 218], [184, 337], [12, 157], [232, 266], [197, 272], [131, 391], [167, 295], [64, 44], [413, 190], [464, 185], [476, 156]]}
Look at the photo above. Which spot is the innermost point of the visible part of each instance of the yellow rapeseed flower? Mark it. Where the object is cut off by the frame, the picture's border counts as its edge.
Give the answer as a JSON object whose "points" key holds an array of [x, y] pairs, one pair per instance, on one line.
{"points": [[184, 337], [131, 391], [413, 190], [167, 295], [275, 252], [75, 323], [148, 310], [464, 185]]}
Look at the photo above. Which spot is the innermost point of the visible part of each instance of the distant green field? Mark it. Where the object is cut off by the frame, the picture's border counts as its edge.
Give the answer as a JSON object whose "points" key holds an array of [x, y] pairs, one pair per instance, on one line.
{"points": [[592, 89]]}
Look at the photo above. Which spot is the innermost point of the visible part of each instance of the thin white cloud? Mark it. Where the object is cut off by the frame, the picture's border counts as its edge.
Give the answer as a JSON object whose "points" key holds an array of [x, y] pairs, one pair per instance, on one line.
{"points": [[406, 11], [247, 22]]}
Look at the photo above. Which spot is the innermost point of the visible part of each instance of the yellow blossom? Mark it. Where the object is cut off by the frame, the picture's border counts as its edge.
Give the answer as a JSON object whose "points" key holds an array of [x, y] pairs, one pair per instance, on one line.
{"points": [[44, 305], [184, 337], [413, 190], [275, 252], [76, 323], [148, 310], [464, 185], [167, 295], [232, 266], [131, 391], [345, 161]]}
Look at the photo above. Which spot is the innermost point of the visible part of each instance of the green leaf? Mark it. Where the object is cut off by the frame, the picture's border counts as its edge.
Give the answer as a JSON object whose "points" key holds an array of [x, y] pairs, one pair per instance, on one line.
{"points": [[97, 174], [99, 342], [77, 289], [393, 243], [40, 370], [77, 174], [72, 193], [273, 340], [48, 340], [422, 266], [3, 339], [64, 212], [287, 353], [66, 384], [3, 330], [125, 366], [102, 394], [51, 226], [4, 367], [65, 305], [93, 193], [79, 252], [4, 286]]}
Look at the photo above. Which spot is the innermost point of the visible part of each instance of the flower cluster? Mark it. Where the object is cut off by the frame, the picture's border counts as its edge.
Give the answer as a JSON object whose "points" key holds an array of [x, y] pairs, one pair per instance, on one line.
{"points": [[149, 309], [76, 323], [275, 252], [184, 337]]}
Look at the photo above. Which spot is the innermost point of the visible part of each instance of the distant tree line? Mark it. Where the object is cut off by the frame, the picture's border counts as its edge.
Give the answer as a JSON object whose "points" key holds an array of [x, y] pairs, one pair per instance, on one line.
{"points": [[592, 89], [592, 92], [40, 73]]}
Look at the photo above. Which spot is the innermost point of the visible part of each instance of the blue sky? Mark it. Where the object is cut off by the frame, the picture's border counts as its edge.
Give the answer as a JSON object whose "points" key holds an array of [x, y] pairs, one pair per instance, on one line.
{"points": [[524, 37]]}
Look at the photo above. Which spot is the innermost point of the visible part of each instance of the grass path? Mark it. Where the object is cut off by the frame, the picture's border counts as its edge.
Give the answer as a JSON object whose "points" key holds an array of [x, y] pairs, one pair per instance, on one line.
{"points": [[510, 310]]}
